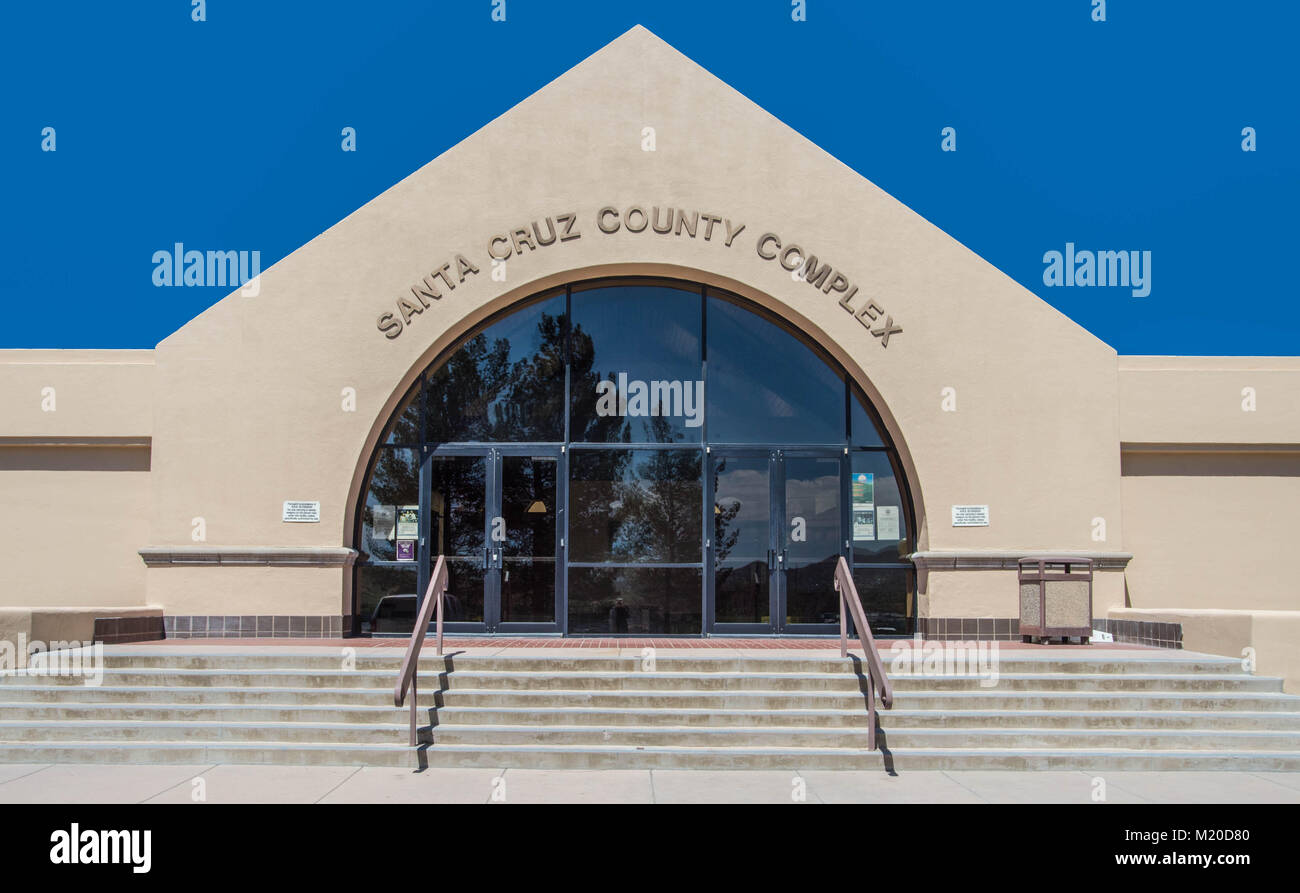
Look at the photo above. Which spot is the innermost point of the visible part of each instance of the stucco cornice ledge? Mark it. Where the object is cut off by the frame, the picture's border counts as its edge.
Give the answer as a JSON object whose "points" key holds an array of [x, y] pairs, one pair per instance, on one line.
{"points": [[1102, 561], [272, 556]]}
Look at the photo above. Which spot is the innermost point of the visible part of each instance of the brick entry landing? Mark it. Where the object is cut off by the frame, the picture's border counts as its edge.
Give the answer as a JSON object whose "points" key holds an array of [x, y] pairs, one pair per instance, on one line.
{"points": [[692, 644]]}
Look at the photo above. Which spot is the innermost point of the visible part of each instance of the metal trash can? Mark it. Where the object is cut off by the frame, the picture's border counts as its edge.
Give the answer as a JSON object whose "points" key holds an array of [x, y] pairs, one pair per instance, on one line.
{"points": [[1055, 598]]}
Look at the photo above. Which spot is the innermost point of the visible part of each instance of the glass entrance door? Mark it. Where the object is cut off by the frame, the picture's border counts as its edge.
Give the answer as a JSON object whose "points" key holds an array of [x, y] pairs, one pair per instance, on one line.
{"points": [[742, 549], [810, 541], [776, 536], [458, 500], [494, 513], [525, 542]]}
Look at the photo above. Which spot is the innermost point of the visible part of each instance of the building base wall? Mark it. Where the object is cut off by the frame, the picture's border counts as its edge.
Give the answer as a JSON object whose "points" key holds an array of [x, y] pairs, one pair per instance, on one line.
{"points": [[966, 585], [1272, 637], [67, 624], [247, 590]]}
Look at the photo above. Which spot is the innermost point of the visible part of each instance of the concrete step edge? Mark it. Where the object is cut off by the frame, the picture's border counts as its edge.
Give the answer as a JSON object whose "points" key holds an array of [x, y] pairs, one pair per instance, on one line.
{"points": [[274, 672]]}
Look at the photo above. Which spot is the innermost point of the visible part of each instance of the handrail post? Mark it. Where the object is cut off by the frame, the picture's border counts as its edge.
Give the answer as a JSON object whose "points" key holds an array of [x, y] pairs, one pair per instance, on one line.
{"points": [[407, 676], [877, 680], [871, 712], [439, 635], [415, 698], [844, 623]]}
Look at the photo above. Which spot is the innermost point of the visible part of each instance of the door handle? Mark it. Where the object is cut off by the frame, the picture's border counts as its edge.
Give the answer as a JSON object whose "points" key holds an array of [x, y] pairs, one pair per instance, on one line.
{"points": [[771, 559], [487, 560]]}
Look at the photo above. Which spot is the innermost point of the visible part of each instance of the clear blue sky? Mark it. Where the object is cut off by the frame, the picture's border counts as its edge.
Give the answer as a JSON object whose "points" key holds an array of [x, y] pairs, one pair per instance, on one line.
{"points": [[225, 135]]}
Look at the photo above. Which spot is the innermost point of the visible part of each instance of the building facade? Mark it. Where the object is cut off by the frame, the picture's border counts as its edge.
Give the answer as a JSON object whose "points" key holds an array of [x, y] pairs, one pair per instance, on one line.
{"points": [[636, 357]]}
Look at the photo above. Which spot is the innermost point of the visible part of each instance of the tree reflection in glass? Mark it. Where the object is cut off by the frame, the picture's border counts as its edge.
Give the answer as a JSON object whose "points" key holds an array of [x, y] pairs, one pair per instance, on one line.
{"points": [[505, 384], [647, 334], [636, 505]]}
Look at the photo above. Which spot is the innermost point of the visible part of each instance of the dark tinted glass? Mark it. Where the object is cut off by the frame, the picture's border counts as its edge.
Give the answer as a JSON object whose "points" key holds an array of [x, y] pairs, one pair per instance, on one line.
{"points": [[634, 600], [394, 486], [405, 426], [635, 505], [459, 503], [457, 517], [812, 538], [636, 365], [878, 524], [862, 427], [505, 383], [741, 538], [528, 503], [765, 385], [386, 599], [886, 599]]}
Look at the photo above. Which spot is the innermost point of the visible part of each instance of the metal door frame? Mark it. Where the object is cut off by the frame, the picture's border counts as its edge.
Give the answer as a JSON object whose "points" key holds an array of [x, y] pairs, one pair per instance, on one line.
{"points": [[492, 563]]}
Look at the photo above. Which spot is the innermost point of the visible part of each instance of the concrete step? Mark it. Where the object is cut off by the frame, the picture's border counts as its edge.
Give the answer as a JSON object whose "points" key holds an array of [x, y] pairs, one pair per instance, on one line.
{"points": [[779, 700], [790, 716], [660, 680], [892, 719], [195, 694], [1098, 701], [1163, 720], [217, 731], [616, 757], [27, 711], [756, 700], [672, 716], [622, 757], [782, 736], [203, 753], [666, 661], [40, 733], [371, 697]]}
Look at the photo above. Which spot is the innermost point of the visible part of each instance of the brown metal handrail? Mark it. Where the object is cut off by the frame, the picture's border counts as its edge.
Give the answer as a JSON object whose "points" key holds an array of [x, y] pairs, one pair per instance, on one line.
{"points": [[411, 662], [877, 681]]}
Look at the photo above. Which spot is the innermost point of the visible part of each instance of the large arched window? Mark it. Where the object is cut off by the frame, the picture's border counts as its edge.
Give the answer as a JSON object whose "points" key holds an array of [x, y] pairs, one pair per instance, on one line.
{"points": [[635, 456]]}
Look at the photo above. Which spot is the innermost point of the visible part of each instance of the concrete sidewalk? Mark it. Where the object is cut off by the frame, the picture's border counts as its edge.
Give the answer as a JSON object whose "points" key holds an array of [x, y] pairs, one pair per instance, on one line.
{"points": [[100, 783]]}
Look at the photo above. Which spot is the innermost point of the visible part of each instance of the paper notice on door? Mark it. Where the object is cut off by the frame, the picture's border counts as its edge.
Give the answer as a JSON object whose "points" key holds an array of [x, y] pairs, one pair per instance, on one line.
{"points": [[408, 521], [383, 519], [864, 490], [887, 522], [864, 506], [864, 524]]}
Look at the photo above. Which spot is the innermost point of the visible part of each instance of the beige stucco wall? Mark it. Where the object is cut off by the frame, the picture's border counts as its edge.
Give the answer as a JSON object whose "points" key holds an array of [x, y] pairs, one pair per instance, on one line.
{"points": [[1212, 529], [75, 428], [1211, 478], [995, 593], [73, 519], [97, 394], [240, 590], [1200, 400], [249, 404]]}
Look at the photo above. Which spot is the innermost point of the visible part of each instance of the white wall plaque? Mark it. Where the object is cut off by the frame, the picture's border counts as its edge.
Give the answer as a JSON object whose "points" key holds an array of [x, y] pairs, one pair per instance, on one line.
{"points": [[970, 516], [302, 512]]}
